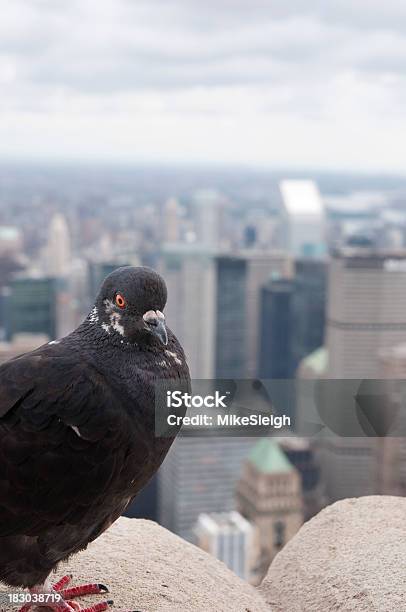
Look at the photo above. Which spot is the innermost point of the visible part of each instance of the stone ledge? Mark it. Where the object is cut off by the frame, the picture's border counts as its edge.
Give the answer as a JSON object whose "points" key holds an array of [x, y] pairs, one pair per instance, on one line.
{"points": [[149, 569], [350, 557]]}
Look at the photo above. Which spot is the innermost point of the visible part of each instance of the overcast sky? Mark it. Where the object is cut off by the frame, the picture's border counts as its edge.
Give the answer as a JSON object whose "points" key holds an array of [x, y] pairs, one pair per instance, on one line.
{"points": [[314, 83]]}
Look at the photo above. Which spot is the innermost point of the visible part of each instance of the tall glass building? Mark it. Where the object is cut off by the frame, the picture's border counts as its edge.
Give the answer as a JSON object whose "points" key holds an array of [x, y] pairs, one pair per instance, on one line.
{"points": [[32, 307]]}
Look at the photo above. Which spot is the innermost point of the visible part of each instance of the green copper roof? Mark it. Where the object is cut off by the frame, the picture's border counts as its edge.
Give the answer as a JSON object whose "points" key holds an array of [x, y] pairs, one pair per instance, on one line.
{"points": [[318, 360], [268, 457]]}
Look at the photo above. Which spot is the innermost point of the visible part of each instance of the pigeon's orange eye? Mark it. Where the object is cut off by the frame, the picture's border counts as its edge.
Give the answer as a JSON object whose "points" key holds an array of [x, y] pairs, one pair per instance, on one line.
{"points": [[120, 301]]}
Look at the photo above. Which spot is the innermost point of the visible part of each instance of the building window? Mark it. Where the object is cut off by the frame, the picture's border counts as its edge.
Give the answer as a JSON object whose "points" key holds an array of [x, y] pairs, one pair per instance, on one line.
{"points": [[279, 534]]}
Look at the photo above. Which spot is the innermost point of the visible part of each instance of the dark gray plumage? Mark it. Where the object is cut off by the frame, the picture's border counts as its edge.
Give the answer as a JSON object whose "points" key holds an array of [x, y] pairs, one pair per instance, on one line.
{"points": [[77, 426]]}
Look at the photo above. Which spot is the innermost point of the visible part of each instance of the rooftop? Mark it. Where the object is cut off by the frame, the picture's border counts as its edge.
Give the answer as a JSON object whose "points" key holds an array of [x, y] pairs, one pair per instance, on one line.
{"points": [[269, 458], [301, 198], [317, 361]]}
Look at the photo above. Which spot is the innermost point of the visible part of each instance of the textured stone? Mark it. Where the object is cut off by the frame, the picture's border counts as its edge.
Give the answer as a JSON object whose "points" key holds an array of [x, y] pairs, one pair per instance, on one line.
{"points": [[149, 569], [351, 556]]}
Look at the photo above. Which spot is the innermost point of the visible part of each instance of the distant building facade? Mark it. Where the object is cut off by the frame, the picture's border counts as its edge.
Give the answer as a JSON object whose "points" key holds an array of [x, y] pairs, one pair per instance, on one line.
{"points": [[190, 276], [308, 307], [275, 350], [230, 538], [171, 225], [58, 250], [366, 297], [391, 451], [301, 454], [365, 315], [303, 218], [32, 306], [261, 266], [231, 317], [269, 495], [311, 368], [214, 306], [208, 208], [292, 319], [199, 475]]}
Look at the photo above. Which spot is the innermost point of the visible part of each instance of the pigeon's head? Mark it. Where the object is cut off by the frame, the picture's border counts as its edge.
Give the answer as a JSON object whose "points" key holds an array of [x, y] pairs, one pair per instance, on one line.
{"points": [[130, 306]]}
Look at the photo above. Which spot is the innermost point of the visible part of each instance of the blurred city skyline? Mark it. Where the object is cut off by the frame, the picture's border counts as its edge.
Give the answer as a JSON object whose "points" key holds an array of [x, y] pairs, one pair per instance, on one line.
{"points": [[304, 85], [270, 276], [252, 153]]}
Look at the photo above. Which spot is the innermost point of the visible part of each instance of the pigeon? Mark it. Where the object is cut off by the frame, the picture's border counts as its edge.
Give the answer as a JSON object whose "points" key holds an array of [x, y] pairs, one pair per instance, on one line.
{"points": [[77, 440]]}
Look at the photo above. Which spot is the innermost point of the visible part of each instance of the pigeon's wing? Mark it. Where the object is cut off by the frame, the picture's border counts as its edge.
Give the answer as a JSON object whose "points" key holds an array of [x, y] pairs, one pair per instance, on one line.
{"points": [[64, 440]]}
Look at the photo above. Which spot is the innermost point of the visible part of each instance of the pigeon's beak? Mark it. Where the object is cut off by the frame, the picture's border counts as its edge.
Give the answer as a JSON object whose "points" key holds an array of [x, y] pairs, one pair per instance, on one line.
{"points": [[155, 323], [160, 332]]}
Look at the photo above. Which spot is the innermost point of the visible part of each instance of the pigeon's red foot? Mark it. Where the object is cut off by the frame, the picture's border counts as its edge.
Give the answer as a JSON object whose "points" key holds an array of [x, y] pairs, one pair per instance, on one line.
{"points": [[58, 597], [79, 591]]}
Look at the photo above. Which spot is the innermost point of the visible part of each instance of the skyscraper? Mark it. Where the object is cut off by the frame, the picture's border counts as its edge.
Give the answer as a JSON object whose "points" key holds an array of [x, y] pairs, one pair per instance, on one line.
{"points": [[365, 314], [308, 307], [303, 218], [275, 350], [391, 450], [366, 298], [190, 274], [214, 306], [171, 225], [199, 475], [58, 251], [231, 317], [208, 206], [261, 266], [292, 318], [32, 306]]}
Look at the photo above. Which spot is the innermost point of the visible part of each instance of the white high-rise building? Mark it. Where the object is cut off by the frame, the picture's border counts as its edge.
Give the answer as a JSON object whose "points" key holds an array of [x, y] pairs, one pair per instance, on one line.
{"points": [[58, 252], [208, 212], [230, 538], [58, 264], [171, 224], [303, 218]]}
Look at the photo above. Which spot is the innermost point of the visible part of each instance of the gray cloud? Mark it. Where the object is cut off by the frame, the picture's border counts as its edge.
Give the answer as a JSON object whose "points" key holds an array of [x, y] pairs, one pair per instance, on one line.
{"points": [[120, 45], [318, 61]]}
